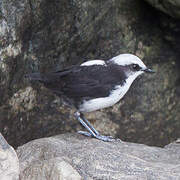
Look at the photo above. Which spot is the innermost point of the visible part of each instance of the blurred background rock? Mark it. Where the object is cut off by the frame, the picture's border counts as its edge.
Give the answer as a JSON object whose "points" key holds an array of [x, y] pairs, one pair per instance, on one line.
{"points": [[44, 35]]}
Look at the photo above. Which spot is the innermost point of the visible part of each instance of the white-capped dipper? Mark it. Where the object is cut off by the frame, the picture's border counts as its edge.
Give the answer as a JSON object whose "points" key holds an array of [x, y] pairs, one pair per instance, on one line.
{"points": [[93, 85]]}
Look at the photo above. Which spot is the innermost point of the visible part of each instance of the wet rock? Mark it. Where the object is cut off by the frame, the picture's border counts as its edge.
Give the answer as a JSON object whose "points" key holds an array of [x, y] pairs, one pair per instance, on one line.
{"points": [[43, 35], [9, 163], [94, 159], [172, 8]]}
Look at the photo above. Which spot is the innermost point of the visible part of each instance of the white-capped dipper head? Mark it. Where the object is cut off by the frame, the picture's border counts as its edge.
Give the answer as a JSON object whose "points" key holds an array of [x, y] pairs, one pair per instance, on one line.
{"points": [[133, 64]]}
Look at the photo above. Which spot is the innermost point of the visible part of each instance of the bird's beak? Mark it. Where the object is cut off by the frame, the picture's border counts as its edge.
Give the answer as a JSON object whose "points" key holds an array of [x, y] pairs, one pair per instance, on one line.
{"points": [[148, 70]]}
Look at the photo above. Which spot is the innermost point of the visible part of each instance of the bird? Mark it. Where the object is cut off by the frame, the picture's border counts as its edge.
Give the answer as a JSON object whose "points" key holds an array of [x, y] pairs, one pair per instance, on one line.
{"points": [[93, 85]]}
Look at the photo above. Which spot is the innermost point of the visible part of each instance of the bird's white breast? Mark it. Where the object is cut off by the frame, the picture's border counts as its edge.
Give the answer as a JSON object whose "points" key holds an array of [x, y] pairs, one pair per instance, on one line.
{"points": [[104, 102]]}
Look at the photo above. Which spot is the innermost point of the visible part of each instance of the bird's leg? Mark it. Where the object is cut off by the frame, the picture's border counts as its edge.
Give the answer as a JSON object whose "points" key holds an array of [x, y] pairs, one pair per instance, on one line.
{"points": [[89, 124], [92, 131], [81, 120]]}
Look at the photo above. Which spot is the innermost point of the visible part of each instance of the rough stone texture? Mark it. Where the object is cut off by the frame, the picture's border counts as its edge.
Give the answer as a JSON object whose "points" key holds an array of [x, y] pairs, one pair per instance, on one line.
{"points": [[171, 7], [52, 169], [9, 163], [94, 159], [42, 35]]}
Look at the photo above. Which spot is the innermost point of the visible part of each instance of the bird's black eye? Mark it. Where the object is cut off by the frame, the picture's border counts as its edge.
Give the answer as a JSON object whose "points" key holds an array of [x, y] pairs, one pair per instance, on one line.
{"points": [[136, 67]]}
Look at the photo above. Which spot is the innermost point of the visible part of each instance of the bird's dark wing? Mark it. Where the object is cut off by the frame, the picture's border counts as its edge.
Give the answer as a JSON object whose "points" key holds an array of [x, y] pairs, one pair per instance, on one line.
{"points": [[88, 88], [82, 81]]}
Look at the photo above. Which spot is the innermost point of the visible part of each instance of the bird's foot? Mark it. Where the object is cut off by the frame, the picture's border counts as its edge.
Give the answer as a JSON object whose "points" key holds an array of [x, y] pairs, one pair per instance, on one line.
{"points": [[97, 136], [85, 133]]}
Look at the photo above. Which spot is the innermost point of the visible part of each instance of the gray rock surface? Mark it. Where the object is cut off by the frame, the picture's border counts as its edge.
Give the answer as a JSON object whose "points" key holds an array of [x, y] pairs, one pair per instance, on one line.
{"points": [[42, 35], [94, 159], [9, 163], [171, 7], [51, 169]]}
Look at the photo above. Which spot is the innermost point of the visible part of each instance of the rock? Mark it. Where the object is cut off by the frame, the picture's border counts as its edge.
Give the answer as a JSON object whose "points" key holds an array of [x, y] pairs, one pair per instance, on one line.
{"points": [[172, 8], [94, 159], [43, 35], [54, 168], [9, 163]]}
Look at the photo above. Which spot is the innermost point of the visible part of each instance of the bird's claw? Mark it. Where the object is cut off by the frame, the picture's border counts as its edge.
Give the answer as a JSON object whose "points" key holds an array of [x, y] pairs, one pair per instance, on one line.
{"points": [[105, 138], [85, 133], [97, 136]]}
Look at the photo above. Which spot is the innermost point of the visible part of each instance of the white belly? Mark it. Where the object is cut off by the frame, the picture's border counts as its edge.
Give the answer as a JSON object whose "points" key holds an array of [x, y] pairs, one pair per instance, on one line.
{"points": [[104, 102], [113, 98]]}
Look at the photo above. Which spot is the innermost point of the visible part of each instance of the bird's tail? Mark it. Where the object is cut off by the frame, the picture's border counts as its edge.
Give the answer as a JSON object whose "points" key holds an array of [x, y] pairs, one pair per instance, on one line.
{"points": [[35, 77], [43, 78]]}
